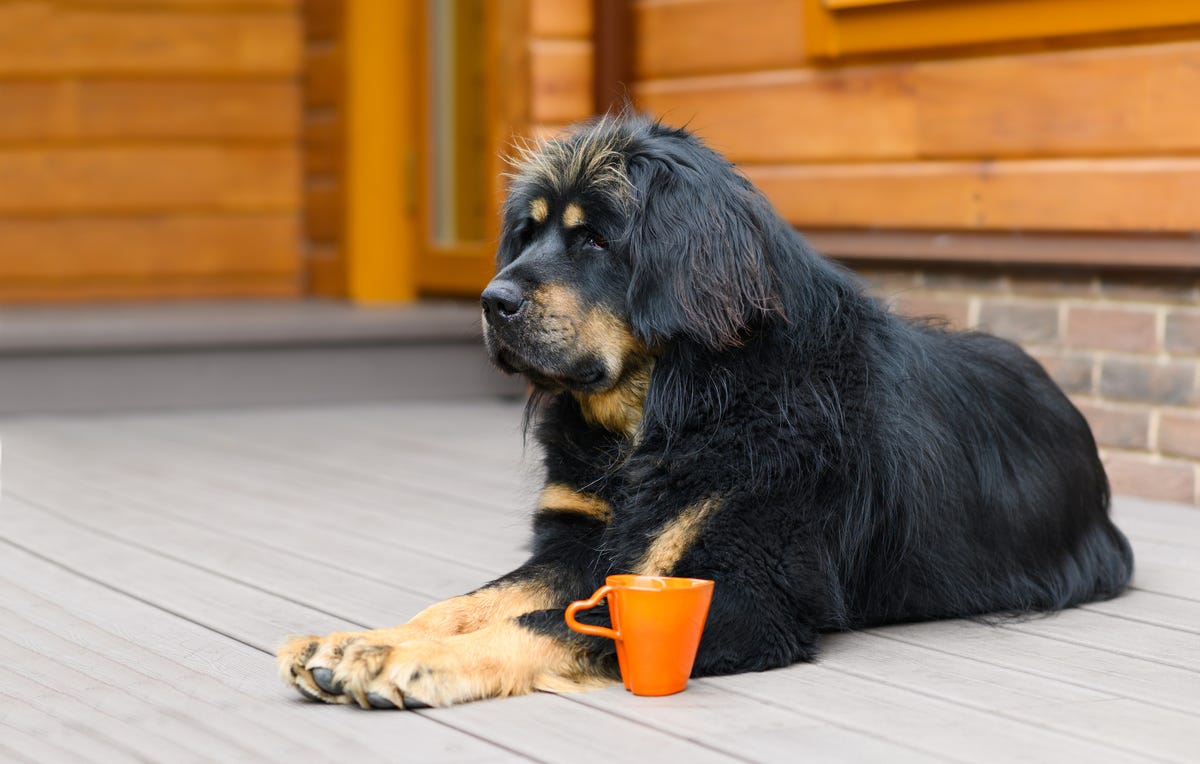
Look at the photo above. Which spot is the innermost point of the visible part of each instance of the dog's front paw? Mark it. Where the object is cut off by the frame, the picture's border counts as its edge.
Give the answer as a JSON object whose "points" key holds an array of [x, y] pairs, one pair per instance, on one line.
{"points": [[390, 676], [400, 668], [308, 663]]}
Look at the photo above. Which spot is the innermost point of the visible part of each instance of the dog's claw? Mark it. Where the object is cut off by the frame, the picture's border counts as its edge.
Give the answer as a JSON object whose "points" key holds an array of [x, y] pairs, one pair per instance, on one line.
{"points": [[324, 679], [413, 704], [307, 695], [378, 701]]}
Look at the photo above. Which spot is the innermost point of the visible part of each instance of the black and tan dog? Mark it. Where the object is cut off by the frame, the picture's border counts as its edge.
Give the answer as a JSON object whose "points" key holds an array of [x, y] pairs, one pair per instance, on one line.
{"points": [[715, 400]]}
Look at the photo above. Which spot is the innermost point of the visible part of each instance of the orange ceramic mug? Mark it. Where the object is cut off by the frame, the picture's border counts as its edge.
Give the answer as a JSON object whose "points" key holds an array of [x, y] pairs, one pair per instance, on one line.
{"points": [[657, 622]]}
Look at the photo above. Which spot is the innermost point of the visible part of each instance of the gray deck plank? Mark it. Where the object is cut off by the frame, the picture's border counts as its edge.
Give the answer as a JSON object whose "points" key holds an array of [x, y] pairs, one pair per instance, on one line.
{"points": [[376, 457], [377, 505], [61, 737], [219, 676], [23, 748], [1171, 569], [408, 521], [935, 725], [123, 712], [190, 591], [780, 723], [1155, 520], [558, 729], [308, 535], [1152, 608], [849, 741], [195, 594], [114, 513], [1111, 673], [227, 530], [1119, 722], [323, 588], [1170, 647], [124, 736], [1167, 568], [751, 728]]}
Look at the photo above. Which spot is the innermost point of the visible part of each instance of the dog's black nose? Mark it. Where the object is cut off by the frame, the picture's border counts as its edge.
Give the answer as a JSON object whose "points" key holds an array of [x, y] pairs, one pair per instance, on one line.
{"points": [[502, 299]]}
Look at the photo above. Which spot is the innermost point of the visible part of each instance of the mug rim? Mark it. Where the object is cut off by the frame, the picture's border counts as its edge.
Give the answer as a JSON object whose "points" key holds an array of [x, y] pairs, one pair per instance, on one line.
{"points": [[620, 580]]}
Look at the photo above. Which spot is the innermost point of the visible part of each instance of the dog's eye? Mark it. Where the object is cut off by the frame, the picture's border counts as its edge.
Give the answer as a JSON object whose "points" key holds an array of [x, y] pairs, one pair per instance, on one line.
{"points": [[524, 232], [593, 240]]}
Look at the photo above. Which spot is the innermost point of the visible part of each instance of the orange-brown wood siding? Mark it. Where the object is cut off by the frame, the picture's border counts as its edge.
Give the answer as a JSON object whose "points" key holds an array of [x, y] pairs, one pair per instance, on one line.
{"points": [[1079, 135], [560, 64], [324, 148], [149, 149]]}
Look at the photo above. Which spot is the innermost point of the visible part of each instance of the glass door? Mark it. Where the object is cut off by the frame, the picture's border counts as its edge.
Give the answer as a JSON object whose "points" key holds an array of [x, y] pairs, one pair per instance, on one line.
{"points": [[459, 164]]}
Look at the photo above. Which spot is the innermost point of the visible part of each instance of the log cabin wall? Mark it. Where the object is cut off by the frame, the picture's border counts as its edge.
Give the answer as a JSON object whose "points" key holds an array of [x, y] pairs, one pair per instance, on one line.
{"points": [[324, 148], [537, 79], [560, 64], [149, 150], [1037, 176]]}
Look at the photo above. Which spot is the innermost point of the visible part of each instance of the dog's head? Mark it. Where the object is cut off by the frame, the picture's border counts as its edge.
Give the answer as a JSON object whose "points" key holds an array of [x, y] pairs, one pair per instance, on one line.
{"points": [[617, 239]]}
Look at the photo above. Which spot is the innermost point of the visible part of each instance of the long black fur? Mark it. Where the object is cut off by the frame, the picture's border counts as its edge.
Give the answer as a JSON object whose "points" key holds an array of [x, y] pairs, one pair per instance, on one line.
{"points": [[872, 469]]}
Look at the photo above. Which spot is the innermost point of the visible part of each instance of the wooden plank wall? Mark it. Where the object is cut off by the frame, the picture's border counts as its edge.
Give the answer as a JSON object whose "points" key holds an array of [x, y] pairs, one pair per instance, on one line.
{"points": [[324, 144], [560, 62], [1096, 139], [149, 149]]}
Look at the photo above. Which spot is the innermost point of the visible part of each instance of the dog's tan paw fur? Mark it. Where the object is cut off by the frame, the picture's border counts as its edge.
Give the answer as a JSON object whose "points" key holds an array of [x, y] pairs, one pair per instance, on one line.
{"points": [[403, 668], [299, 657]]}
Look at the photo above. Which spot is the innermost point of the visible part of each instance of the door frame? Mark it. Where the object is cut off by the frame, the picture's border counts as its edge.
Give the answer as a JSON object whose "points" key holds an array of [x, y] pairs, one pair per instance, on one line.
{"points": [[389, 254]]}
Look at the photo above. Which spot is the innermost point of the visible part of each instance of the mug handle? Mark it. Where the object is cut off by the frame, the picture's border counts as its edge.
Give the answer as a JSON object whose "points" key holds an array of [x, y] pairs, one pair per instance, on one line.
{"points": [[588, 604]]}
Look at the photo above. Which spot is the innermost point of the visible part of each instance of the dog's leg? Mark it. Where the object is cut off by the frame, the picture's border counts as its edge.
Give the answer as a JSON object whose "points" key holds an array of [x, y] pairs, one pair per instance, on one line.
{"points": [[568, 525], [308, 663], [479, 645], [769, 601], [503, 658]]}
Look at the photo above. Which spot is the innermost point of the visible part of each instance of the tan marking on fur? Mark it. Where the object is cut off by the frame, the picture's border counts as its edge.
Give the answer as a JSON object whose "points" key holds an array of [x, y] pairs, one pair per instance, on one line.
{"points": [[598, 332], [675, 539], [451, 618], [572, 216], [604, 333], [539, 209], [470, 612], [620, 408], [558, 497], [559, 301], [500, 660]]}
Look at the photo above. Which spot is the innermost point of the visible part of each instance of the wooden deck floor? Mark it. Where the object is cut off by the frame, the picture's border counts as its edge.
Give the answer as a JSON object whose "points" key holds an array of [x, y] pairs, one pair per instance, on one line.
{"points": [[149, 565]]}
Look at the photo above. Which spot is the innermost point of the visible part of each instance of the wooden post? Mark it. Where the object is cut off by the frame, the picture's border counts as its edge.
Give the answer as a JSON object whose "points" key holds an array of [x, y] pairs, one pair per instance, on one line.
{"points": [[612, 38], [381, 221]]}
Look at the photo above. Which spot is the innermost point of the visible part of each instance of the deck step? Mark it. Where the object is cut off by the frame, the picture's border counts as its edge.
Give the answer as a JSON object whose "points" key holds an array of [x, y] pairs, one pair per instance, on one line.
{"points": [[58, 359]]}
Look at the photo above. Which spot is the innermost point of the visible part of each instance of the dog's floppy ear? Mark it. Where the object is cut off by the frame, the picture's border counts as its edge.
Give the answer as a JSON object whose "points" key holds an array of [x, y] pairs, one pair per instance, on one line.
{"points": [[696, 245]]}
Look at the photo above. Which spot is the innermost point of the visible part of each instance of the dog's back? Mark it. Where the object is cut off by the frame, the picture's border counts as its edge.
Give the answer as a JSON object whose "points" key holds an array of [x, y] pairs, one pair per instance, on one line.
{"points": [[994, 494]]}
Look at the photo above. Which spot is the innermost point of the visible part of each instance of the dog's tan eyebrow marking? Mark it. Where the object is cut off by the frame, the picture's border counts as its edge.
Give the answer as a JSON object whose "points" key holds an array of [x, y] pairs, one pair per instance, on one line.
{"points": [[572, 216], [673, 541], [539, 209], [557, 497]]}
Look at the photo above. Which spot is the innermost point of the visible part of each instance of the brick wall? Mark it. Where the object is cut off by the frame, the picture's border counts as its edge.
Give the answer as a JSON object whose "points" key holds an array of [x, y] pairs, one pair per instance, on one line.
{"points": [[1124, 346]]}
